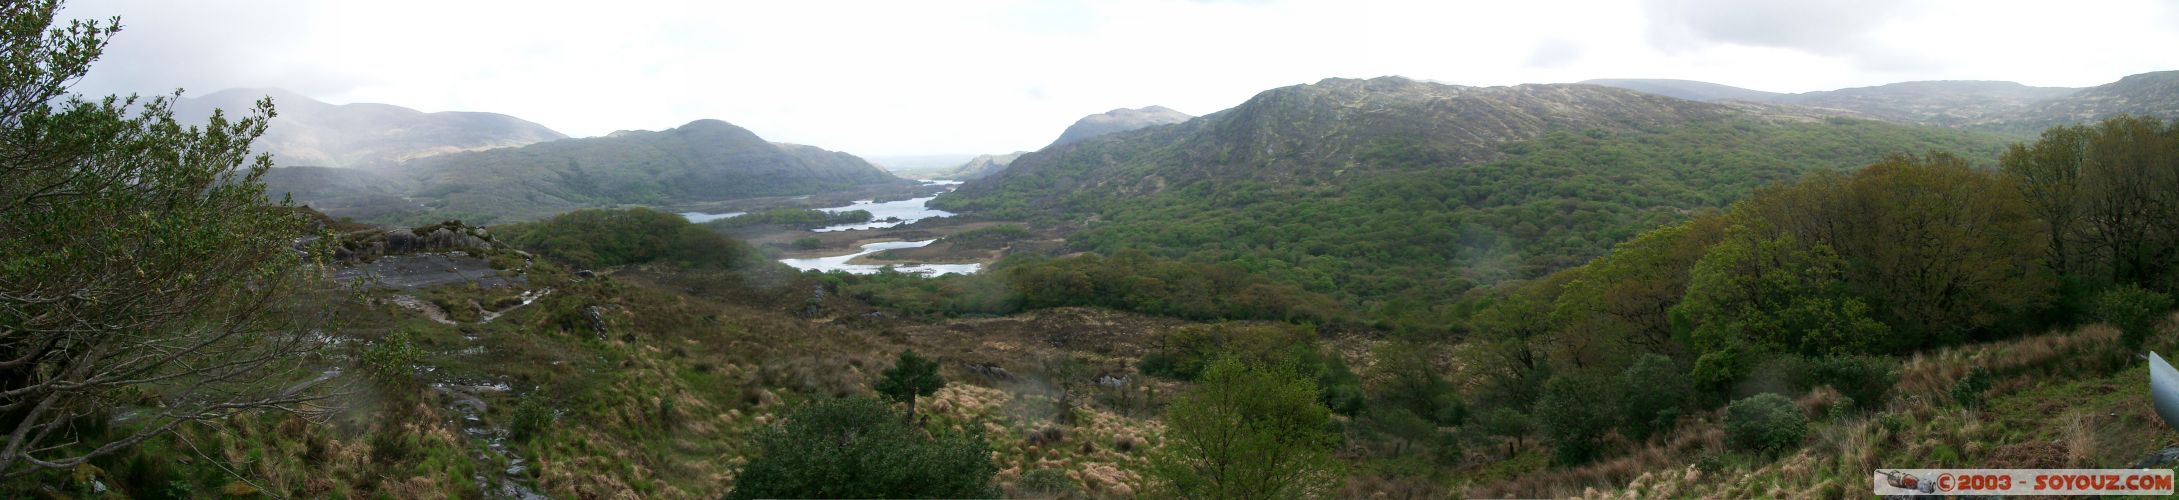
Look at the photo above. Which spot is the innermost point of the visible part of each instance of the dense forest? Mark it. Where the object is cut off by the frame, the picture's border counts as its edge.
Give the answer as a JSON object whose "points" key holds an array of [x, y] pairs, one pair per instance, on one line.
{"points": [[1415, 232]]}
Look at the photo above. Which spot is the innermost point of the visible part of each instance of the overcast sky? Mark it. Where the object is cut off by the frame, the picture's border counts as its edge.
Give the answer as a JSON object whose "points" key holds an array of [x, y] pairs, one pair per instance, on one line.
{"points": [[925, 77]]}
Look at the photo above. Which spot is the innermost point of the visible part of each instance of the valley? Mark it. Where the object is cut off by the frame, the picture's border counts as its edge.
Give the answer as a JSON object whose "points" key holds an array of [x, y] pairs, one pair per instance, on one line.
{"points": [[1383, 287]]}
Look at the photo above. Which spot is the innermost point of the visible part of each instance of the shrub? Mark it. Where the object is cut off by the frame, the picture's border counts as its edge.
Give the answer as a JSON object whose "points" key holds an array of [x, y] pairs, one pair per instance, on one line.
{"points": [[1653, 392], [1766, 423], [530, 418], [860, 448], [392, 360], [808, 243], [1247, 432], [2135, 311], [1866, 380], [1047, 482], [1507, 423], [1716, 370], [1576, 410], [1967, 391]]}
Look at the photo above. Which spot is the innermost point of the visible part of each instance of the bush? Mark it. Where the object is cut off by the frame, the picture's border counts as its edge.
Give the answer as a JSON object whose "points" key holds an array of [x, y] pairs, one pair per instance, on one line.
{"points": [[1716, 370], [807, 243], [531, 417], [1576, 411], [1765, 423], [1047, 482], [860, 448], [1967, 391], [1867, 380], [2135, 311], [392, 360], [1653, 392]]}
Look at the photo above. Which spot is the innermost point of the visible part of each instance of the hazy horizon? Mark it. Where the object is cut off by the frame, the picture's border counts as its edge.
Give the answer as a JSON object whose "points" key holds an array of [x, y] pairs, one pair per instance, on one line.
{"points": [[884, 79]]}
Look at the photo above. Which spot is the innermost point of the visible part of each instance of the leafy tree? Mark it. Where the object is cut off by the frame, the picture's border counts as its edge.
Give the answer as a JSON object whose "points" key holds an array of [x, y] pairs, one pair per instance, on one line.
{"points": [[1766, 423], [1404, 427], [1411, 381], [1507, 423], [140, 261], [1652, 393], [2109, 193], [1769, 294], [912, 375], [1516, 332], [860, 448], [2135, 311], [1576, 411], [1628, 294], [1936, 249], [1247, 431]]}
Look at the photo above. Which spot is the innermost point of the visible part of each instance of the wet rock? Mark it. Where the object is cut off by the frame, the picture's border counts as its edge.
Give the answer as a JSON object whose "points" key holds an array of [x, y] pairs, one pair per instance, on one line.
{"points": [[994, 372], [596, 316]]}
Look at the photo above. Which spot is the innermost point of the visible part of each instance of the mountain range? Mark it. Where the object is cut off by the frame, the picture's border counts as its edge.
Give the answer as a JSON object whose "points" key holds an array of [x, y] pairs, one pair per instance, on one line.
{"points": [[1989, 105], [309, 132]]}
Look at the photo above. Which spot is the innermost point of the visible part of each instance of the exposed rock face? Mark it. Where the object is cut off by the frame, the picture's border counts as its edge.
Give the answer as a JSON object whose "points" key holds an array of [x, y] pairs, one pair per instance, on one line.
{"points": [[449, 236], [1119, 120]]}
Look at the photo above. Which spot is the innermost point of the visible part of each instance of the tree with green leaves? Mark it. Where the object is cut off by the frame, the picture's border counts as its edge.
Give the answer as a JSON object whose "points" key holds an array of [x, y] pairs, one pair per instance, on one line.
{"points": [[1576, 411], [2135, 311], [1935, 248], [912, 375], [860, 448], [1507, 423], [1629, 293], [1247, 431], [1652, 393], [1759, 292], [1411, 380], [141, 260], [2109, 192]]}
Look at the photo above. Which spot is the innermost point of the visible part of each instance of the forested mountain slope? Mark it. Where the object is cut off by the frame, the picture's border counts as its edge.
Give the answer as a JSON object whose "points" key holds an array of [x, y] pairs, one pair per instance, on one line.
{"points": [[310, 132], [703, 160], [1384, 188]]}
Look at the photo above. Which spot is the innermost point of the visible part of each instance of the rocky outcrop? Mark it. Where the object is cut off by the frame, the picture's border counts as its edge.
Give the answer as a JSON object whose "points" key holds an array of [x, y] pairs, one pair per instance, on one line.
{"points": [[370, 244]]}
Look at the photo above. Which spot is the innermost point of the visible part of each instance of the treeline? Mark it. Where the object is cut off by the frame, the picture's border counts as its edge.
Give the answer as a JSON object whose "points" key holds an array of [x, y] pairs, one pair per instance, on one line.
{"points": [[798, 217], [1813, 283], [611, 237], [1130, 281]]}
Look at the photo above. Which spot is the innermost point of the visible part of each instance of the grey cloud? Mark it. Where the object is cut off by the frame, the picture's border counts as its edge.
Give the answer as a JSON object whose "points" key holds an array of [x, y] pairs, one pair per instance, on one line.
{"points": [[1554, 54], [205, 47], [1830, 27]]}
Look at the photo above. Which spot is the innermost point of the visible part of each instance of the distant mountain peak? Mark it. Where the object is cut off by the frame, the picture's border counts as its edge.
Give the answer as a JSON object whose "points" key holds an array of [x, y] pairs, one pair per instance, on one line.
{"points": [[310, 132], [1119, 120]]}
